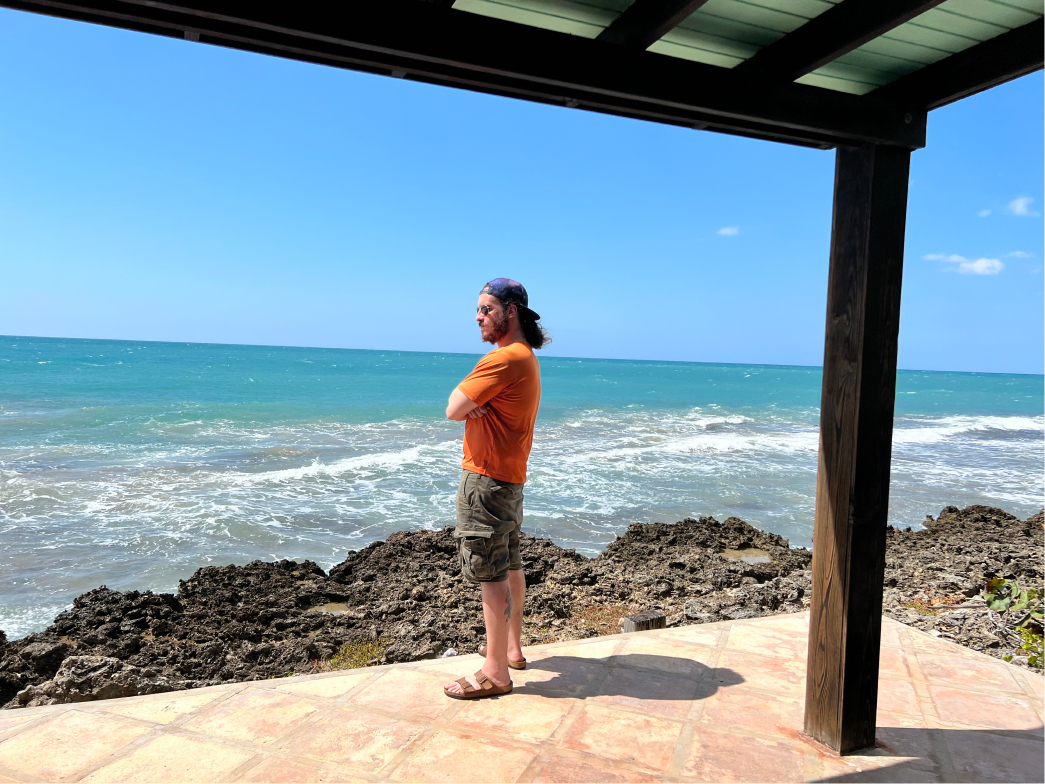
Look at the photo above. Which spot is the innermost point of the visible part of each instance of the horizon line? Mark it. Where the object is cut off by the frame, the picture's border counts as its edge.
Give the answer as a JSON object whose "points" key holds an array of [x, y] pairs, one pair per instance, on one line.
{"points": [[469, 354]]}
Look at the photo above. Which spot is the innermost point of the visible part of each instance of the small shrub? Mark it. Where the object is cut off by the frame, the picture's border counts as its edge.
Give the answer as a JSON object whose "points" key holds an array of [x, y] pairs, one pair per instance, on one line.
{"points": [[920, 606], [1004, 596], [604, 619], [1033, 645], [352, 655]]}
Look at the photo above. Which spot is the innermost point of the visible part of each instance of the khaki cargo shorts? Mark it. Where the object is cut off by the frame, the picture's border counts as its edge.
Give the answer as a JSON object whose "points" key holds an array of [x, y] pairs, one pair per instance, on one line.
{"points": [[489, 518]]}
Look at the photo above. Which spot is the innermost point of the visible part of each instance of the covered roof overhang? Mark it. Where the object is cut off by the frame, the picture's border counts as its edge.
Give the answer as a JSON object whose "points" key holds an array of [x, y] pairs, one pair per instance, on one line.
{"points": [[612, 69]]}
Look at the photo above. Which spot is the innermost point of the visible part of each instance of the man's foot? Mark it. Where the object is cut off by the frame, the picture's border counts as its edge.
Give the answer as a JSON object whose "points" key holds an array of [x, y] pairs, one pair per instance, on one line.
{"points": [[473, 687], [513, 662]]}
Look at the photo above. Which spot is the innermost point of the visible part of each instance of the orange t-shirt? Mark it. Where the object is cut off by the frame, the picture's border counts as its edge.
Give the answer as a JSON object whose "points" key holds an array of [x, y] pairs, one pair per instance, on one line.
{"points": [[508, 382]]}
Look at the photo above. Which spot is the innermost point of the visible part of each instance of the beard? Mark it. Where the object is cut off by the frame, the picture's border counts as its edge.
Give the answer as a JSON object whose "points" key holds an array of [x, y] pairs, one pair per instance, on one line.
{"points": [[495, 329]]}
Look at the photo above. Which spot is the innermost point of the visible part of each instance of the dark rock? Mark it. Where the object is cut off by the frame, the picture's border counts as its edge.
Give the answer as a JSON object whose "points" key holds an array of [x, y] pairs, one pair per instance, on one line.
{"points": [[85, 678], [251, 622], [945, 565]]}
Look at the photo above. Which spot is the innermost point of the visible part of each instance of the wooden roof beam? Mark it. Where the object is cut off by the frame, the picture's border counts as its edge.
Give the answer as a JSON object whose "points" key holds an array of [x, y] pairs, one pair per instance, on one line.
{"points": [[993, 62], [645, 22], [837, 31], [423, 42]]}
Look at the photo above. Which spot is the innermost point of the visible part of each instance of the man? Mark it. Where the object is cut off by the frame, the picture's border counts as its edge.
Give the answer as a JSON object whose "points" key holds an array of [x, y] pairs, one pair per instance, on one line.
{"points": [[498, 403]]}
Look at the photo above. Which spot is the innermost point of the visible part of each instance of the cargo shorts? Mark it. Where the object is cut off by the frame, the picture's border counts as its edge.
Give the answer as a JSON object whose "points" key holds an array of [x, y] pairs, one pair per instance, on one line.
{"points": [[489, 519]]}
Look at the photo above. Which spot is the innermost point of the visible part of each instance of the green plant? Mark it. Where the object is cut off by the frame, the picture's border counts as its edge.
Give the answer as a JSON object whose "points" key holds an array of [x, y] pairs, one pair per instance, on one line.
{"points": [[1033, 645], [1004, 596], [920, 606], [352, 655]]}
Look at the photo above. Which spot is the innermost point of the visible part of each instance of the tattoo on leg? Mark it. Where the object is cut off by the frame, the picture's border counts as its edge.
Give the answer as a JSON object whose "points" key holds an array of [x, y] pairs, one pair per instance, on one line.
{"points": [[508, 606]]}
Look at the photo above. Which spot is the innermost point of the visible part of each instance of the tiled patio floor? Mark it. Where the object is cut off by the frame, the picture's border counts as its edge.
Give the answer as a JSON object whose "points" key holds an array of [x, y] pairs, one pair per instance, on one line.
{"points": [[718, 702]]}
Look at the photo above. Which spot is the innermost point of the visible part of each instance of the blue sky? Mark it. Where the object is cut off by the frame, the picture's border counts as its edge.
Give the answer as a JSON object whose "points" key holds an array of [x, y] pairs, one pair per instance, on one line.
{"points": [[157, 189]]}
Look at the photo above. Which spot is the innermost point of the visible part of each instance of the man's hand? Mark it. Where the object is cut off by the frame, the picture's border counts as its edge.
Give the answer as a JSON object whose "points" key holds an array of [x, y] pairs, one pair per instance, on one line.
{"points": [[460, 407], [477, 412]]}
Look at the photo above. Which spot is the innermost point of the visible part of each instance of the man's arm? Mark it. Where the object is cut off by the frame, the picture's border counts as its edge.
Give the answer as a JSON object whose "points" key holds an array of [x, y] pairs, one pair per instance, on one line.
{"points": [[460, 407]]}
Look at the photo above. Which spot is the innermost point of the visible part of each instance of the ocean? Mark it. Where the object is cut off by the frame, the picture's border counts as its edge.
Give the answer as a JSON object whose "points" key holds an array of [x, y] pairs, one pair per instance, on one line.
{"points": [[132, 464]]}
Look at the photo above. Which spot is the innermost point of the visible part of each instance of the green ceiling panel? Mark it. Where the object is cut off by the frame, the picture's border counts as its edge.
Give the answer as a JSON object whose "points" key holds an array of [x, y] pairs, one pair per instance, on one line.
{"points": [[756, 15], [583, 19], [727, 32]]}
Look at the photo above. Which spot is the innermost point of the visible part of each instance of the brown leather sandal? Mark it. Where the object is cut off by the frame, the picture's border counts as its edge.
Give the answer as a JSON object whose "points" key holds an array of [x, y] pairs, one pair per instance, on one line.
{"points": [[515, 665], [487, 688]]}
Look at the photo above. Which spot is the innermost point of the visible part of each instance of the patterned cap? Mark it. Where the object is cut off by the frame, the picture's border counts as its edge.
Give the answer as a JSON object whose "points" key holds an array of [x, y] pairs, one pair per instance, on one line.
{"points": [[510, 292]]}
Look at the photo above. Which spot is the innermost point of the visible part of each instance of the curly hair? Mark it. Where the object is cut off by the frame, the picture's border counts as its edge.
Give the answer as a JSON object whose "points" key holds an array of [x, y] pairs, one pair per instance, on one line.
{"points": [[536, 335]]}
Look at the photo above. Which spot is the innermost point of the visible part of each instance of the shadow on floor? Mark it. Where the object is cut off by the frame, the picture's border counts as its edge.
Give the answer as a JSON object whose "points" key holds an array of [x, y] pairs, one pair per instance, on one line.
{"points": [[639, 676], [954, 755]]}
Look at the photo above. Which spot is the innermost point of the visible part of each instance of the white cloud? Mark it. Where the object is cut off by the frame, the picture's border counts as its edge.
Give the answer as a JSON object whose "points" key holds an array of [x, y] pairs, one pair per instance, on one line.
{"points": [[968, 266], [981, 267], [1019, 254], [729, 231], [983, 213], [1021, 206]]}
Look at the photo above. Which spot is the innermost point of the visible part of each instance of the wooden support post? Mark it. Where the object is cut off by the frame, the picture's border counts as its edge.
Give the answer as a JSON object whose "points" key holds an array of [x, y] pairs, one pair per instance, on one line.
{"points": [[643, 621], [856, 428]]}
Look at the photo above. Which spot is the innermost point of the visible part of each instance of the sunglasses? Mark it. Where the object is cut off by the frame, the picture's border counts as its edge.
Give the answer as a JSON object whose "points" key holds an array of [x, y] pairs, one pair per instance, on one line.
{"points": [[484, 309]]}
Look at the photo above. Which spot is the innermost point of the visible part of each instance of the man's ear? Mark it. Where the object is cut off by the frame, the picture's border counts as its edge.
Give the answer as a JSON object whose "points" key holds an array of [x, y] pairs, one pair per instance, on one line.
{"points": [[513, 311]]}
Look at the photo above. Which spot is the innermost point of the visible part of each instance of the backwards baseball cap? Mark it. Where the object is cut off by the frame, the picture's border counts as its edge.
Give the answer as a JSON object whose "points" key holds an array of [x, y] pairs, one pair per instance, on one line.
{"points": [[510, 292]]}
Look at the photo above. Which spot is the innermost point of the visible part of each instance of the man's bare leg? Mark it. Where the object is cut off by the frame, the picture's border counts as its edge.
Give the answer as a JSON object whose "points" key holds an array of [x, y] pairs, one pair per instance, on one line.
{"points": [[517, 584], [498, 612]]}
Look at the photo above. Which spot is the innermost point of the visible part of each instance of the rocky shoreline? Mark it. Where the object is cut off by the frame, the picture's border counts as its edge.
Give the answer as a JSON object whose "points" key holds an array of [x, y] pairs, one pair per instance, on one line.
{"points": [[403, 599]]}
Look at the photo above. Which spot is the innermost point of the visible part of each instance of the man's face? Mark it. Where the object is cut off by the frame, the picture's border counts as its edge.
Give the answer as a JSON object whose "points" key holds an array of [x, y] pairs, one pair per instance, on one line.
{"points": [[493, 325]]}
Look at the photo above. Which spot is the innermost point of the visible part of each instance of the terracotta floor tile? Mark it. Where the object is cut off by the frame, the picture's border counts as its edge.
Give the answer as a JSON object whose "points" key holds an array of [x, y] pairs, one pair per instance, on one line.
{"points": [[767, 641], [331, 688], [460, 757], [996, 756], [556, 675], [892, 663], [616, 735], [161, 709], [880, 768], [665, 695], [407, 691], [10, 722], [67, 743], [722, 756], [5, 780], [1035, 681], [891, 633], [926, 646], [795, 622], [173, 758], [525, 717], [764, 673], [560, 769], [283, 770], [701, 633], [254, 715], [968, 708], [898, 697], [753, 712], [886, 719], [451, 666], [354, 737], [591, 650], [977, 673], [672, 656], [906, 741]]}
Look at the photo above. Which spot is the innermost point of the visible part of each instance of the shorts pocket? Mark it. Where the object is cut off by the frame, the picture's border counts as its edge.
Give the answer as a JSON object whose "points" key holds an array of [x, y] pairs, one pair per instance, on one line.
{"points": [[475, 559]]}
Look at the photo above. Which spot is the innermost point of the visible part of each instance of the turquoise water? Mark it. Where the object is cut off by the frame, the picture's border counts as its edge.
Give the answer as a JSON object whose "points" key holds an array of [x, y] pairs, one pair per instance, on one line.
{"points": [[132, 464]]}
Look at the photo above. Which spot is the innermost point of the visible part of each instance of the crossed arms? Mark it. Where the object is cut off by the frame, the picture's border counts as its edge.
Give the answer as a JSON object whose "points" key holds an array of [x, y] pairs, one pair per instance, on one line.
{"points": [[460, 407]]}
